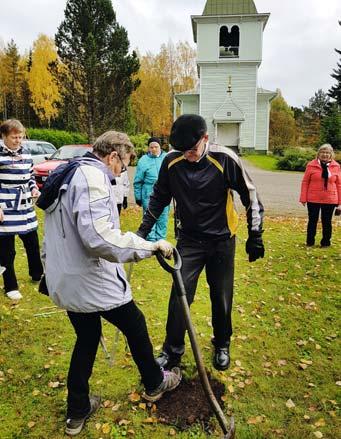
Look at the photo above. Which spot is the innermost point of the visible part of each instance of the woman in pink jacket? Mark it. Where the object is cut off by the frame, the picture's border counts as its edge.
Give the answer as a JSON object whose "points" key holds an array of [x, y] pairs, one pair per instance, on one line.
{"points": [[321, 190]]}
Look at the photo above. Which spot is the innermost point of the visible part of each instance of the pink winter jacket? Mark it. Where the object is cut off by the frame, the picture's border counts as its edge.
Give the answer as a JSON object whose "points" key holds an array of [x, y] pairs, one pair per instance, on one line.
{"points": [[312, 188]]}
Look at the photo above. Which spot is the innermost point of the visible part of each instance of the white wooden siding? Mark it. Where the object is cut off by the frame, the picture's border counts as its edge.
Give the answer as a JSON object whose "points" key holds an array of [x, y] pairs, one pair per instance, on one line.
{"points": [[262, 129], [213, 85]]}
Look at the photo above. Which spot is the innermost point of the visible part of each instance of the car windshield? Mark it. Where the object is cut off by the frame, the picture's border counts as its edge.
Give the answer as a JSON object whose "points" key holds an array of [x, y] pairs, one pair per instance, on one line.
{"points": [[69, 152]]}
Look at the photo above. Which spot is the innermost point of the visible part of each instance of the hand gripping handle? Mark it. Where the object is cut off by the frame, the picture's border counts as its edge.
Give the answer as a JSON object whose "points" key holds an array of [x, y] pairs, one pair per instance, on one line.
{"points": [[164, 264]]}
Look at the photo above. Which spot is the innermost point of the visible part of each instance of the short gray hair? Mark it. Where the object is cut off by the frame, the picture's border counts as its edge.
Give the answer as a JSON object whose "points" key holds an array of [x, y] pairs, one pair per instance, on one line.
{"points": [[328, 147], [113, 141]]}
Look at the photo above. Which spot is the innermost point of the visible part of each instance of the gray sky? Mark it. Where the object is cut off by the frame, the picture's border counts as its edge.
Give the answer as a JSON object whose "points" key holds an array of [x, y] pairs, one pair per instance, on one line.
{"points": [[299, 39]]}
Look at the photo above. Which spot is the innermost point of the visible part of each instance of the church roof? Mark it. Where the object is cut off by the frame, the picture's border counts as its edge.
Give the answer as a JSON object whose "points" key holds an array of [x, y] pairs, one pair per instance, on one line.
{"points": [[229, 7]]}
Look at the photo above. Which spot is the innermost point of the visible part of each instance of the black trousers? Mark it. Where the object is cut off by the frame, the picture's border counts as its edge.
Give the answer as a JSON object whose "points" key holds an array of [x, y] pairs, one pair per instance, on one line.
{"points": [[327, 211], [130, 320], [7, 256], [218, 259]]}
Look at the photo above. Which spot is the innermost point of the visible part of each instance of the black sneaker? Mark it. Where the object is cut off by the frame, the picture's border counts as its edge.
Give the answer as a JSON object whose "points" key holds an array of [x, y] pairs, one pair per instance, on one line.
{"points": [[167, 361], [221, 359], [171, 380], [74, 426]]}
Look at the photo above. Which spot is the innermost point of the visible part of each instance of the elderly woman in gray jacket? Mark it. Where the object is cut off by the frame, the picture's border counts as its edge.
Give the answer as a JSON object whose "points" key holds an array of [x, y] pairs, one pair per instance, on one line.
{"points": [[84, 255]]}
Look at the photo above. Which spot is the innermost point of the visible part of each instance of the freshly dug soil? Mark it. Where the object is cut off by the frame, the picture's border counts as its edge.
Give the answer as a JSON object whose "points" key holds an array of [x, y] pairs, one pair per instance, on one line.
{"points": [[188, 404]]}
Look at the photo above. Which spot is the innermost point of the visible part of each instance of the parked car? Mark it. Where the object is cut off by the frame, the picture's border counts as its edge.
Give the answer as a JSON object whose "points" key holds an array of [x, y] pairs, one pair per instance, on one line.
{"points": [[62, 155], [39, 150]]}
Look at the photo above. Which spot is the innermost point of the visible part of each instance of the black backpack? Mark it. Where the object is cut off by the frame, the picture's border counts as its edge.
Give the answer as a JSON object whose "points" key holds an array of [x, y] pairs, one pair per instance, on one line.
{"points": [[57, 183]]}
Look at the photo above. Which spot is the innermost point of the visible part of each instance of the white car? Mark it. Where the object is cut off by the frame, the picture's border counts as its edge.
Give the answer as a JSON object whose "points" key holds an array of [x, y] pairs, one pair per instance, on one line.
{"points": [[40, 150]]}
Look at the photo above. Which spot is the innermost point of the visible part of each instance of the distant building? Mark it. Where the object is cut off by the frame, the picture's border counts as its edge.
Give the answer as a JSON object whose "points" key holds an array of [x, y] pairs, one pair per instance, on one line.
{"points": [[229, 37]]}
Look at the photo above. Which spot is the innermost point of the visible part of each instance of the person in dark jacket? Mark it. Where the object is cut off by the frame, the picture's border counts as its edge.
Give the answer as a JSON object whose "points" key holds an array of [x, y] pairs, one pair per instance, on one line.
{"points": [[201, 178], [321, 191]]}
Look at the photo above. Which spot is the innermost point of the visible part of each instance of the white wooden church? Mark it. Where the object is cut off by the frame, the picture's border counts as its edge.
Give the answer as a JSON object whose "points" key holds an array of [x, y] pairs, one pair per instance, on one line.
{"points": [[229, 38]]}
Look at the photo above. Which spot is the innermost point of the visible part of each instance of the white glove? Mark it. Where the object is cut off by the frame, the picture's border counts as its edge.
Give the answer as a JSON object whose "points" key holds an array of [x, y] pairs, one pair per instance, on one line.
{"points": [[165, 247]]}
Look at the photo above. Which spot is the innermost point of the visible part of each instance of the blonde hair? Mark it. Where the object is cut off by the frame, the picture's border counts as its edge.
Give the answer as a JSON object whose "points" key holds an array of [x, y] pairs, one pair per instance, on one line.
{"points": [[12, 125], [328, 147]]}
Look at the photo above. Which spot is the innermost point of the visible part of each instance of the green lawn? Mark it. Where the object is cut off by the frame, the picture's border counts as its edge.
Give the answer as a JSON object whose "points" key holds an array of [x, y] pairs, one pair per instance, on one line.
{"points": [[266, 162], [285, 372]]}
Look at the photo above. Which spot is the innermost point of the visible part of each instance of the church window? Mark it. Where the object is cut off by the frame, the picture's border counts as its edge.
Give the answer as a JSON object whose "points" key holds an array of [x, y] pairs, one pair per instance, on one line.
{"points": [[229, 42]]}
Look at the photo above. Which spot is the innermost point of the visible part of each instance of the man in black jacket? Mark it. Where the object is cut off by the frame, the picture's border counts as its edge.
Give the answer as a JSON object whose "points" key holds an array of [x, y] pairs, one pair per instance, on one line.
{"points": [[201, 177]]}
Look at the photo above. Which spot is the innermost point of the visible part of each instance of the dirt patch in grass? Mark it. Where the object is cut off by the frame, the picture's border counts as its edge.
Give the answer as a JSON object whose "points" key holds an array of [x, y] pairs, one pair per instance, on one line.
{"points": [[188, 405]]}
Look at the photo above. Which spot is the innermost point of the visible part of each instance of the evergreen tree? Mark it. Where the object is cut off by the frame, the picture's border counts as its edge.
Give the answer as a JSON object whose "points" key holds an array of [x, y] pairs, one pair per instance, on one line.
{"points": [[331, 127], [319, 104], [335, 91], [100, 71]]}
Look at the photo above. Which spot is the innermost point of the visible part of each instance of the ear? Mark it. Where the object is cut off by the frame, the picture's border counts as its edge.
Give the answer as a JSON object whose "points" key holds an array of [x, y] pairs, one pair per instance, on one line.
{"points": [[112, 156], [206, 137]]}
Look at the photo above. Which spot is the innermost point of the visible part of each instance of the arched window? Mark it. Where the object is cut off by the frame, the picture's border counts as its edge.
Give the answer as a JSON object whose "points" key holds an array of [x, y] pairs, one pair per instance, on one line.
{"points": [[229, 42]]}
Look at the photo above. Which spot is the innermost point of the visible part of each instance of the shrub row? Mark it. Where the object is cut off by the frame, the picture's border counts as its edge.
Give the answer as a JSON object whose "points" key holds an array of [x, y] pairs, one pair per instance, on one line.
{"points": [[57, 137], [295, 159]]}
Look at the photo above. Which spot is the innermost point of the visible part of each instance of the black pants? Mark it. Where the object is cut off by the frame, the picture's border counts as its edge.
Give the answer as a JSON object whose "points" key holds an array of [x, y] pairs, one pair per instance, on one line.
{"points": [[218, 259], [130, 320], [7, 256], [327, 211]]}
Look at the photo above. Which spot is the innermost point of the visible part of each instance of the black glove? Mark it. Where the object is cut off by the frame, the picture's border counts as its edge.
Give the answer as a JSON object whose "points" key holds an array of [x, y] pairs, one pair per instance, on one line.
{"points": [[254, 247], [125, 203], [138, 202]]}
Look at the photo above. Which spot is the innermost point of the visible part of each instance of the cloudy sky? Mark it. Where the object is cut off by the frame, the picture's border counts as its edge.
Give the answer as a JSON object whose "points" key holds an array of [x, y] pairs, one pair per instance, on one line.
{"points": [[299, 39]]}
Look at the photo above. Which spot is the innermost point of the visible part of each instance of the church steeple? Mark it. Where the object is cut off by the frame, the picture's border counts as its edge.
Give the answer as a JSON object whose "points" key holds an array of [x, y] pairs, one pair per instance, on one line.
{"points": [[229, 7]]}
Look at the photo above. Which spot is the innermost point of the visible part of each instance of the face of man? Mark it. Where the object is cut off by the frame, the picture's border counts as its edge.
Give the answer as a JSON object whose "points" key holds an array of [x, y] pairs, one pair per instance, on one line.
{"points": [[194, 154], [116, 163], [154, 149]]}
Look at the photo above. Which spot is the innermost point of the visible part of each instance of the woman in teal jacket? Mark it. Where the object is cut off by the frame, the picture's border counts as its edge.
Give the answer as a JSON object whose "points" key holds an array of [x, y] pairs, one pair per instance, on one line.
{"points": [[147, 173]]}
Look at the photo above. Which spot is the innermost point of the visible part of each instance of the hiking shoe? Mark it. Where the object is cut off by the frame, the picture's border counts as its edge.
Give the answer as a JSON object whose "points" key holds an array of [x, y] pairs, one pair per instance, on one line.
{"points": [[74, 426], [14, 295], [171, 380], [221, 358], [167, 361]]}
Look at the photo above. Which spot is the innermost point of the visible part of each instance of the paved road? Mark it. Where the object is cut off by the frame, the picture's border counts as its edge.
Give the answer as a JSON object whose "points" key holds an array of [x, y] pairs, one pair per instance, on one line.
{"points": [[279, 191]]}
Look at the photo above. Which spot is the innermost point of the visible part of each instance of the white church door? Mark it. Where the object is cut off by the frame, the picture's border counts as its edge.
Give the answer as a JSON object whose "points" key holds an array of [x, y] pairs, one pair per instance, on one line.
{"points": [[228, 135]]}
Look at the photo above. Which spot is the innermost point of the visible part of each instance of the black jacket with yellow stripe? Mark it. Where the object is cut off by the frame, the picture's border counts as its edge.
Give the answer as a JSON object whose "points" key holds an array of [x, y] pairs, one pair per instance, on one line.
{"points": [[203, 194]]}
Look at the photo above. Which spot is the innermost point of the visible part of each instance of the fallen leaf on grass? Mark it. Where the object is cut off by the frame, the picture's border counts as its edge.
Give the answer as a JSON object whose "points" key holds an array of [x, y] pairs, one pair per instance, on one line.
{"points": [[306, 417], [131, 432], [35, 392], [238, 363], [301, 342], [303, 366], [107, 403], [255, 420], [134, 397], [230, 388], [318, 434], [290, 404], [338, 383], [31, 424], [115, 407], [124, 422], [150, 420], [55, 384], [106, 428], [320, 423], [281, 362], [172, 432], [142, 405], [98, 426]]}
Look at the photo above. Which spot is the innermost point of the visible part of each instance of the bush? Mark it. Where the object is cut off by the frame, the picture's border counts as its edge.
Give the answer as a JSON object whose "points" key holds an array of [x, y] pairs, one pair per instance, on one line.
{"points": [[57, 137], [279, 150], [295, 159]]}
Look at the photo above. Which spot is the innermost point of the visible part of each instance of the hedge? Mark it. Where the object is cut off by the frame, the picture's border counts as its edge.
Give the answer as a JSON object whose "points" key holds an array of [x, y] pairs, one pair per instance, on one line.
{"points": [[57, 137], [295, 159]]}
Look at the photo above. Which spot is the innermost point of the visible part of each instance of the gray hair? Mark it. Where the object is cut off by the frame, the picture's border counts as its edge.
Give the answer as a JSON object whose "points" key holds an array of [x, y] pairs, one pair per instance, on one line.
{"points": [[328, 147], [113, 141]]}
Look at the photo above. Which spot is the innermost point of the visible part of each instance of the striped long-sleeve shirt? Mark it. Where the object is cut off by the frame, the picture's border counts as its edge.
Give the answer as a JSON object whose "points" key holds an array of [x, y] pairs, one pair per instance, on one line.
{"points": [[16, 183]]}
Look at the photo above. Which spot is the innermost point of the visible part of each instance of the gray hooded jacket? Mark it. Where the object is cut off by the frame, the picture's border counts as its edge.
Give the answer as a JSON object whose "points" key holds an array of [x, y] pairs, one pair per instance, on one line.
{"points": [[84, 248]]}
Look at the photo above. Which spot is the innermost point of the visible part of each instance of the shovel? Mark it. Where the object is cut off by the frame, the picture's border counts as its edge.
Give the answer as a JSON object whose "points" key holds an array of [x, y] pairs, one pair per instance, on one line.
{"points": [[228, 430]]}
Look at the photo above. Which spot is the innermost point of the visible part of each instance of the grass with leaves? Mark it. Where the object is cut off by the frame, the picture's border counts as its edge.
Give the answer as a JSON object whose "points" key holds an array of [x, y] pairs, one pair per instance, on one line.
{"points": [[266, 162], [285, 372]]}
